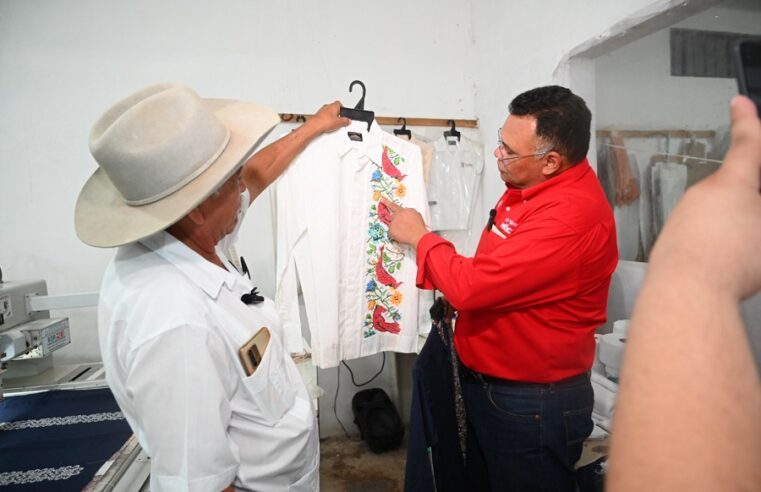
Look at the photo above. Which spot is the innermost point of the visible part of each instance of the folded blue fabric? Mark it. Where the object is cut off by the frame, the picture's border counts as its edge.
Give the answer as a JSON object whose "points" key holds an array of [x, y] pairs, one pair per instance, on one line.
{"points": [[57, 440]]}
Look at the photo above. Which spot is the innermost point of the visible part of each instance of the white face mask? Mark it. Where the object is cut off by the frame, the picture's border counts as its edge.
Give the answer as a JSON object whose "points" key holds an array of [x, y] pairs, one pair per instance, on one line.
{"points": [[229, 240]]}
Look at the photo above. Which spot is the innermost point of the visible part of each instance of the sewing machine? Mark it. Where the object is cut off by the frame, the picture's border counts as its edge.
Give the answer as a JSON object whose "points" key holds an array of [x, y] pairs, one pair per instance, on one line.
{"points": [[29, 336]]}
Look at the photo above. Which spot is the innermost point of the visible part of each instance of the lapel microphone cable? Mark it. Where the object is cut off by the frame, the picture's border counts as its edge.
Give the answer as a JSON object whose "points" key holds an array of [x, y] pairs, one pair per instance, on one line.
{"points": [[252, 297]]}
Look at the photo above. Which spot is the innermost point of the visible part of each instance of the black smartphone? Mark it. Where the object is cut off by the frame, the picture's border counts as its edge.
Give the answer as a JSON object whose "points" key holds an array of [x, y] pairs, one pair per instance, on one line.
{"points": [[748, 69]]}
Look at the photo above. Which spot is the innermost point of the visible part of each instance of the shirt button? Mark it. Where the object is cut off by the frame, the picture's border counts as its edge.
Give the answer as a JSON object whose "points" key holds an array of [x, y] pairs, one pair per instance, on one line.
{"points": [[525, 201], [507, 209]]}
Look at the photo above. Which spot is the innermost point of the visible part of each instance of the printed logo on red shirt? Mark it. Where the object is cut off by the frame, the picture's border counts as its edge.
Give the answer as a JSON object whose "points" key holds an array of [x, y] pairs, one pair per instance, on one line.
{"points": [[508, 225]]}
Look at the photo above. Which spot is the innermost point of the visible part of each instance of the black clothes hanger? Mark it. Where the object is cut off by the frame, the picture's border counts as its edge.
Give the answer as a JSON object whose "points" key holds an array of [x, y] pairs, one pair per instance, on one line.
{"points": [[403, 130], [358, 113], [452, 132]]}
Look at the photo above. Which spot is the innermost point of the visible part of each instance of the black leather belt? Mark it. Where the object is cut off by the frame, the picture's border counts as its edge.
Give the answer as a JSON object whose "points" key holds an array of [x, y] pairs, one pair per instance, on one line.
{"points": [[484, 378]]}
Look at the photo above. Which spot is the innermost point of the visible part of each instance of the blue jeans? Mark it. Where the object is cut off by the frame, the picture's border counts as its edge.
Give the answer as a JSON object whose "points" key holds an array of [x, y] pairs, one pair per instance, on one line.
{"points": [[524, 436]]}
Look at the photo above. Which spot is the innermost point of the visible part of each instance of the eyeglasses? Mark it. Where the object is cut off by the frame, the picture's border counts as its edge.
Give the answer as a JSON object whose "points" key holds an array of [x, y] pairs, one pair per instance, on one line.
{"points": [[503, 149]]}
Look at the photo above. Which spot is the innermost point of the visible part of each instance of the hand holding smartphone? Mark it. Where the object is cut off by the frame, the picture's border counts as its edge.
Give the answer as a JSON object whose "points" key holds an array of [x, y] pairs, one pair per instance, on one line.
{"points": [[748, 69]]}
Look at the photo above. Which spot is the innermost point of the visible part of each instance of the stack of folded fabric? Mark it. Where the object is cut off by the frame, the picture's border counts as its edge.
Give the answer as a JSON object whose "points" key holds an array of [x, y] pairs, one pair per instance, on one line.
{"points": [[605, 400]]}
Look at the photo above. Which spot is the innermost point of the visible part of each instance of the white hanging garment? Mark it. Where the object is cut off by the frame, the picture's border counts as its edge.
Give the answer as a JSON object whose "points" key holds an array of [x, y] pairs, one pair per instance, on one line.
{"points": [[358, 286], [619, 176], [452, 187], [426, 151], [627, 224], [669, 183]]}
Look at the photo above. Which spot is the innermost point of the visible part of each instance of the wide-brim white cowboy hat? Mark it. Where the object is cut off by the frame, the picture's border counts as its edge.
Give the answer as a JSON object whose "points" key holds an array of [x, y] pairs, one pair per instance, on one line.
{"points": [[160, 153]]}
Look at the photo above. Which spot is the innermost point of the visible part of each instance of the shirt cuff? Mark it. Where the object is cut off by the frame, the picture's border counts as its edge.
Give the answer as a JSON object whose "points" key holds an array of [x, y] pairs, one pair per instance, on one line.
{"points": [[424, 246]]}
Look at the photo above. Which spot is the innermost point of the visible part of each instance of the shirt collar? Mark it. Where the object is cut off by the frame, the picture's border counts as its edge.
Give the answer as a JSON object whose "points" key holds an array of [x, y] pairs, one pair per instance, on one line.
{"points": [[200, 271], [370, 146], [447, 144]]}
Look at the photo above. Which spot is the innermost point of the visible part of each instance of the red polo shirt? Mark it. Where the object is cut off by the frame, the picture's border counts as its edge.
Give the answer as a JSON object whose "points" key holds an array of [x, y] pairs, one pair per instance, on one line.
{"points": [[531, 298]]}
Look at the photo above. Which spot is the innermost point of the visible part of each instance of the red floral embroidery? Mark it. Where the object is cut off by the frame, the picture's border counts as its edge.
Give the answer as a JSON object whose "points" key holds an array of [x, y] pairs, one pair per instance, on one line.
{"points": [[380, 323], [382, 275], [383, 260], [384, 214], [389, 168]]}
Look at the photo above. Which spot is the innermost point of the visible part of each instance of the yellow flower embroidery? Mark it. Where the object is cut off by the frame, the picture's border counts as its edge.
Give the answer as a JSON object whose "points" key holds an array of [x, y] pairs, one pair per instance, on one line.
{"points": [[401, 191], [376, 196], [396, 298], [371, 305]]}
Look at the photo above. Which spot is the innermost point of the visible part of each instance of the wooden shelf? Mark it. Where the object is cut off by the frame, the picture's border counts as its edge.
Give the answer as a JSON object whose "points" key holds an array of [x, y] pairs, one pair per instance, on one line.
{"points": [[391, 120]]}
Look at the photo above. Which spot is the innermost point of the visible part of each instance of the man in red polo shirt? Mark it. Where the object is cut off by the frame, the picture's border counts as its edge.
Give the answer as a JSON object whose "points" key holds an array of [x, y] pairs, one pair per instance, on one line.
{"points": [[530, 299]]}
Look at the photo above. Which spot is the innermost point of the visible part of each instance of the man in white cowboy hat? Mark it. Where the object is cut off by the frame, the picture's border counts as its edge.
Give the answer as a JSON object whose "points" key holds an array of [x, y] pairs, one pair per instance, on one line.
{"points": [[175, 173]]}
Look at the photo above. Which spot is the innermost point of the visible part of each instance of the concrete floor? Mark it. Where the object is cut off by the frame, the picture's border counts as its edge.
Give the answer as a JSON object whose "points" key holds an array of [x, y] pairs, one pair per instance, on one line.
{"points": [[349, 466]]}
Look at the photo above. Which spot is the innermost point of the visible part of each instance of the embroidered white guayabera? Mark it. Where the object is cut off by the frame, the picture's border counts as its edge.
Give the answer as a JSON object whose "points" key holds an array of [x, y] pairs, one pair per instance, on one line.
{"points": [[359, 287]]}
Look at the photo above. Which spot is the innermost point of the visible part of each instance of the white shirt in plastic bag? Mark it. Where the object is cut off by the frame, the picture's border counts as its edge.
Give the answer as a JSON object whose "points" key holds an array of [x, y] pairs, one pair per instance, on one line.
{"points": [[454, 182]]}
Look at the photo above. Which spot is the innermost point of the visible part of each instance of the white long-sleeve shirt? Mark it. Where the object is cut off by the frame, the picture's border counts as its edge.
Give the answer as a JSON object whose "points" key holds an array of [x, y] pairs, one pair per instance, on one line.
{"points": [[359, 287], [171, 325]]}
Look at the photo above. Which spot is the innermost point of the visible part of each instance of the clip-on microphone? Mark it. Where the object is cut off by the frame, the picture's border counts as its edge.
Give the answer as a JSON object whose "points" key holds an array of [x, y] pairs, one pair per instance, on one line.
{"points": [[252, 297], [492, 214]]}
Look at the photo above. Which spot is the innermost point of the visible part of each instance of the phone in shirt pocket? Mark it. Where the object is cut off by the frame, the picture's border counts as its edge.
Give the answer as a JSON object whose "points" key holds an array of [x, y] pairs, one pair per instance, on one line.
{"points": [[267, 384], [252, 352]]}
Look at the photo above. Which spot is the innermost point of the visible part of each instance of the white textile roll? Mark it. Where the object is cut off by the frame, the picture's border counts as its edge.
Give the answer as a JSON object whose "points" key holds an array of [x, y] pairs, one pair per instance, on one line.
{"points": [[605, 400], [605, 395], [621, 326], [611, 351], [598, 366]]}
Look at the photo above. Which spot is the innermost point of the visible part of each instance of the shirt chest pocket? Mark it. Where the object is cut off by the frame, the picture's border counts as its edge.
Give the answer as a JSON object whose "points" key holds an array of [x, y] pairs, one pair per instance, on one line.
{"points": [[269, 390]]}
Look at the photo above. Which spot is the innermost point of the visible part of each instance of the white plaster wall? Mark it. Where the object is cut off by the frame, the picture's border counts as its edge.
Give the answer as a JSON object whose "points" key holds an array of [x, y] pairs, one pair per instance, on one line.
{"points": [[518, 46], [636, 91]]}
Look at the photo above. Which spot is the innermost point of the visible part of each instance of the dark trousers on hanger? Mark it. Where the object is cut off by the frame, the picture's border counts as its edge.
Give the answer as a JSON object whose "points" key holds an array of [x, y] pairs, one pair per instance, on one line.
{"points": [[434, 459]]}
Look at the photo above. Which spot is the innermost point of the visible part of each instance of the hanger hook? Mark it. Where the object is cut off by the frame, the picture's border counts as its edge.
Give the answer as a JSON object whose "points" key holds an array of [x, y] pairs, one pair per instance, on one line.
{"points": [[361, 103], [403, 121], [452, 132]]}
